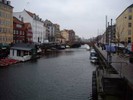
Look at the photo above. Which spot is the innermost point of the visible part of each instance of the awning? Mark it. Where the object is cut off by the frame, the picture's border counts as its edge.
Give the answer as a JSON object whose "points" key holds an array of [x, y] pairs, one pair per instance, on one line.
{"points": [[21, 48]]}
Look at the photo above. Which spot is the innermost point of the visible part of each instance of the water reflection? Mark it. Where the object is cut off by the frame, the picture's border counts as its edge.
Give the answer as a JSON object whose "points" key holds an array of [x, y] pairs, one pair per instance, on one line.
{"points": [[59, 53], [34, 61], [63, 75]]}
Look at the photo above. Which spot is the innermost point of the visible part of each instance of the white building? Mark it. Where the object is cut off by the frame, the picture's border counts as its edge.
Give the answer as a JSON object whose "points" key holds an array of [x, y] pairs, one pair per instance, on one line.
{"points": [[38, 28], [50, 30]]}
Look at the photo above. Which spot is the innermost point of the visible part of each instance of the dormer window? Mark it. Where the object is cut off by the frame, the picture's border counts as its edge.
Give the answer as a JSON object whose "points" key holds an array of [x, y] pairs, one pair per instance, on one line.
{"points": [[19, 16]]}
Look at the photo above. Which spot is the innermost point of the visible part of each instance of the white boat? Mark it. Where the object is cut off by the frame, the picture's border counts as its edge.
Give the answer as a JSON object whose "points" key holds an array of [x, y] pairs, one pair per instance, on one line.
{"points": [[87, 48], [93, 56]]}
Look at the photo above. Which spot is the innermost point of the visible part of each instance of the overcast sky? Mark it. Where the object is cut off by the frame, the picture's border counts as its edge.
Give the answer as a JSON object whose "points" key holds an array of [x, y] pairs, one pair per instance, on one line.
{"points": [[85, 17]]}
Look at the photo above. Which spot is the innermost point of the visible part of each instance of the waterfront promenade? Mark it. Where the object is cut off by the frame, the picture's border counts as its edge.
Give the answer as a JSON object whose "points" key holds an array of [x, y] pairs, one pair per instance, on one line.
{"points": [[121, 64]]}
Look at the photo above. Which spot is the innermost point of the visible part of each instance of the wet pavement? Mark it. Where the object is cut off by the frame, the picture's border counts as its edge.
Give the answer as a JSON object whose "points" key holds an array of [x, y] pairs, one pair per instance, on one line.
{"points": [[64, 75]]}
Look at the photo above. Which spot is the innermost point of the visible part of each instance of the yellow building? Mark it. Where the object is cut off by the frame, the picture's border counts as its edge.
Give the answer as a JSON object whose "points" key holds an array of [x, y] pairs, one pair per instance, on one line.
{"points": [[124, 26], [60, 39], [6, 22], [65, 34]]}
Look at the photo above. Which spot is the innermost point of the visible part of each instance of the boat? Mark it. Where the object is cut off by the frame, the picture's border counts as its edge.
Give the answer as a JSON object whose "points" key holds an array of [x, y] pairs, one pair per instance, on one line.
{"points": [[87, 48], [93, 56]]}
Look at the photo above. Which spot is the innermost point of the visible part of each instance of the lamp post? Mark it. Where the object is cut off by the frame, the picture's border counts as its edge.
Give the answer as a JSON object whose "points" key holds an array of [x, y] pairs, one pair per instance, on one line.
{"points": [[110, 39], [106, 37], [108, 46]]}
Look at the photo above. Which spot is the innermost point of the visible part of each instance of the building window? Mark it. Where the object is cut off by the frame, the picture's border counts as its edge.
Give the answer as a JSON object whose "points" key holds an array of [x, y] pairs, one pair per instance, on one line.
{"points": [[129, 24], [3, 38], [13, 31], [3, 30], [129, 39], [13, 52], [130, 17], [0, 22], [16, 31], [0, 29], [20, 32], [0, 14], [129, 32], [130, 10], [18, 52]]}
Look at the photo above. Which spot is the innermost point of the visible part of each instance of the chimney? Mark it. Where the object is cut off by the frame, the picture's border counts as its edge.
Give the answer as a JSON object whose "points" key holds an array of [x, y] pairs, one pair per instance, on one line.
{"points": [[8, 2]]}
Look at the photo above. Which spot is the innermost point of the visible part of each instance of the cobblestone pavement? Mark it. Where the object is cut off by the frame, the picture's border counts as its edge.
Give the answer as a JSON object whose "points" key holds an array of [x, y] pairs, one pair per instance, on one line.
{"points": [[121, 64]]}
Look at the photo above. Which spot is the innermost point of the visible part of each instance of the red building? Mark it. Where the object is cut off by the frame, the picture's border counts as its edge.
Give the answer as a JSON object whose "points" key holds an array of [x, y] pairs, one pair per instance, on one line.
{"points": [[28, 33], [22, 32], [18, 31]]}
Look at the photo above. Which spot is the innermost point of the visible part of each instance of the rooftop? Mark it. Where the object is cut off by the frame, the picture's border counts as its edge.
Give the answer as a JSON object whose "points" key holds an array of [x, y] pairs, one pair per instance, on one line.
{"points": [[30, 13], [15, 20], [23, 46], [131, 6]]}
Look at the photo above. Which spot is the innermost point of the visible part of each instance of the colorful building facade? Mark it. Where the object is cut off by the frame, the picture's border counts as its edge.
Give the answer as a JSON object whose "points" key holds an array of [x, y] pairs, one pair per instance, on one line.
{"points": [[37, 24], [22, 32], [69, 36], [124, 26], [18, 31], [65, 34], [28, 33], [6, 22]]}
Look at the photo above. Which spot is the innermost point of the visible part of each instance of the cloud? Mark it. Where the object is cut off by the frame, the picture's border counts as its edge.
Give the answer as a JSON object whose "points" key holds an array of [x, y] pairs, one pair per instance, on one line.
{"points": [[84, 16]]}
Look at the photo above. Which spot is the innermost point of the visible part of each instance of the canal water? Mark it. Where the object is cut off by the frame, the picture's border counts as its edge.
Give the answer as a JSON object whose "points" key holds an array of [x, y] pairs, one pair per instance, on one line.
{"points": [[62, 75]]}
